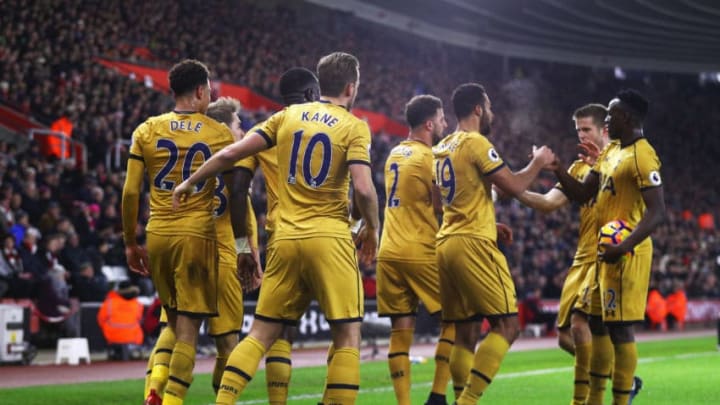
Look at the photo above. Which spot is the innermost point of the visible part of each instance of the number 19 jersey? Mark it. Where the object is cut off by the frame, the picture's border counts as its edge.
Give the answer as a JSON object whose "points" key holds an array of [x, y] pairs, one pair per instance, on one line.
{"points": [[462, 161], [173, 146], [315, 144]]}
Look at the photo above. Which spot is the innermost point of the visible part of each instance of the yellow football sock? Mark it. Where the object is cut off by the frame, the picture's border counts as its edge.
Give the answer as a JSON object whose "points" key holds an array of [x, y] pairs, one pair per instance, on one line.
{"points": [[329, 357], [488, 357], [220, 362], [600, 367], [461, 360], [277, 371], [442, 359], [343, 377], [182, 363], [148, 372], [626, 358], [582, 372], [161, 361], [399, 363], [240, 369]]}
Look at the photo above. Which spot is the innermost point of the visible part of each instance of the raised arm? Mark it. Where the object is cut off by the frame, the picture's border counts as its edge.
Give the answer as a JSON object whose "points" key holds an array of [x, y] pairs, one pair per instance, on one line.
{"points": [[515, 183], [575, 190], [547, 202]]}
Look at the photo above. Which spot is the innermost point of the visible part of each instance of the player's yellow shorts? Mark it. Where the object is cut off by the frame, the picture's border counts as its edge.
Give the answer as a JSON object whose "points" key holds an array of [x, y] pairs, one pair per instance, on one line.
{"points": [[588, 295], [401, 284], [624, 288], [571, 287], [323, 268], [184, 270], [475, 280]]}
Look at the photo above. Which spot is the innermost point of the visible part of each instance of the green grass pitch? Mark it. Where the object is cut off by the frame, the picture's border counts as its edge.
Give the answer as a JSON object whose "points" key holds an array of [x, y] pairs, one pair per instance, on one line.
{"points": [[684, 371]]}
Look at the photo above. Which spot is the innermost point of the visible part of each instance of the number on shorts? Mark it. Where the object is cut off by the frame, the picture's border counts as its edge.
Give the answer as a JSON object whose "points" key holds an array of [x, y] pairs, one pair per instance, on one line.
{"points": [[610, 303]]}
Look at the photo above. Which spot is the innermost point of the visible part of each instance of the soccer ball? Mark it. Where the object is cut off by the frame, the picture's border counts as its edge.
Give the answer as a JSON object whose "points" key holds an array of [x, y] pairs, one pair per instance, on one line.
{"points": [[613, 233]]}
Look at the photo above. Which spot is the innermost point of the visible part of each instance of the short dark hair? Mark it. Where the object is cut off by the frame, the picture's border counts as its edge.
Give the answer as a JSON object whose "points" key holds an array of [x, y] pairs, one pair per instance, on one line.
{"points": [[187, 75], [597, 112], [466, 97], [296, 80], [335, 71], [223, 109], [420, 109], [636, 103]]}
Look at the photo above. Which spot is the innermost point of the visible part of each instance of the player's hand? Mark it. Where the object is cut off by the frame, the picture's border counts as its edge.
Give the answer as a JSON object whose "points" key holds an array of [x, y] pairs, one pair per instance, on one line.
{"points": [[181, 194], [544, 156], [589, 152], [504, 233], [137, 259], [246, 269], [367, 238], [611, 253]]}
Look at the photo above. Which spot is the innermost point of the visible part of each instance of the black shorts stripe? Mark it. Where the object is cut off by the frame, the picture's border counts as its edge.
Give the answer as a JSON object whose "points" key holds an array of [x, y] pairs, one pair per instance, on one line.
{"points": [[391, 355], [179, 381], [289, 322], [343, 387], [346, 320], [596, 375], [387, 315], [239, 372], [136, 157], [481, 375], [216, 335], [197, 315], [448, 341], [278, 360]]}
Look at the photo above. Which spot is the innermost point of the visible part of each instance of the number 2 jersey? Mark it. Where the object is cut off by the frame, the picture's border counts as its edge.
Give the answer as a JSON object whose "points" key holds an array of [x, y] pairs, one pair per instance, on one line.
{"points": [[410, 224], [173, 146], [315, 144], [462, 162]]}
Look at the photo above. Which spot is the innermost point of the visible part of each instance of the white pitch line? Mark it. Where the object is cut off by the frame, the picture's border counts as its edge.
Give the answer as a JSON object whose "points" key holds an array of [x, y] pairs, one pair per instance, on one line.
{"points": [[518, 374]]}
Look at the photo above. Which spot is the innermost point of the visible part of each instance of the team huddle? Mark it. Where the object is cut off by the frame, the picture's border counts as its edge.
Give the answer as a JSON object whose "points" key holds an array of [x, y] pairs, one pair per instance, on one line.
{"points": [[202, 243]]}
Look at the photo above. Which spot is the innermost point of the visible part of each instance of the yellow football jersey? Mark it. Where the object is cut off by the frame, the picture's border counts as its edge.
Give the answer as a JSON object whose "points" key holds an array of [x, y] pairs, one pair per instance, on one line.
{"points": [[223, 224], [624, 173], [315, 143], [463, 160], [410, 223], [172, 146], [267, 160], [587, 235]]}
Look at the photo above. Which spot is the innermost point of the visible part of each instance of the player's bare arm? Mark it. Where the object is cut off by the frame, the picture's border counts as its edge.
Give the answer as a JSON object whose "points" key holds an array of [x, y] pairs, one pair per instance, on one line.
{"points": [[515, 183], [219, 162], [547, 202], [248, 266], [366, 199], [136, 255], [575, 190], [654, 215]]}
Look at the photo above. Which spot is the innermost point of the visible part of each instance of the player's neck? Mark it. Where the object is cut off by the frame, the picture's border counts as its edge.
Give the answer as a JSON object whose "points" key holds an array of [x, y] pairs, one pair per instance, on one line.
{"points": [[631, 137], [184, 105], [420, 136], [341, 101], [470, 124]]}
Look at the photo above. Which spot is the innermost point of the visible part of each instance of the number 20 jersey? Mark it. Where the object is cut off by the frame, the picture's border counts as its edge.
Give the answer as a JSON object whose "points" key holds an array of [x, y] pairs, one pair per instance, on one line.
{"points": [[173, 146], [462, 160], [315, 144]]}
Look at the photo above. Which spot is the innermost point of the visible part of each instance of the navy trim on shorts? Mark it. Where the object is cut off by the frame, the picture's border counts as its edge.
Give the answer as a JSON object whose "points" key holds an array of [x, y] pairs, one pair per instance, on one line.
{"points": [[236, 331], [623, 323], [197, 315], [580, 311], [277, 320], [448, 341], [388, 315], [345, 320], [438, 312], [508, 315]]}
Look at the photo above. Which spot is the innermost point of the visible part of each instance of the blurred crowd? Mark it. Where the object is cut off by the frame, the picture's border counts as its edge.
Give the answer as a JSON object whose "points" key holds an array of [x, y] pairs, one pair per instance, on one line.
{"points": [[61, 225]]}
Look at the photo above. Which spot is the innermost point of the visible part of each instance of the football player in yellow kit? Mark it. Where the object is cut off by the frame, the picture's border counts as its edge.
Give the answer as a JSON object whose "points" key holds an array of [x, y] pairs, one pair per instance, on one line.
{"points": [[626, 184], [182, 256], [320, 145], [475, 281]]}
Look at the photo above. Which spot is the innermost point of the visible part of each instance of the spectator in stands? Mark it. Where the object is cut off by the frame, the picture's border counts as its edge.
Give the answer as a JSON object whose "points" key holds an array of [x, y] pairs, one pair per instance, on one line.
{"points": [[87, 285], [33, 269], [22, 223], [10, 265], [120, 319], [50, 218], [54, 292]]}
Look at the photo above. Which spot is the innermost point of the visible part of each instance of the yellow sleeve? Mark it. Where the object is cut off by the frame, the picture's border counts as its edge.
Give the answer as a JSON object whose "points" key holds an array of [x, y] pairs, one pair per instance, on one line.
{"points": [[268, 129], [359, 144], [647, 164], [131, 198], [484, 155], [251, 221]]}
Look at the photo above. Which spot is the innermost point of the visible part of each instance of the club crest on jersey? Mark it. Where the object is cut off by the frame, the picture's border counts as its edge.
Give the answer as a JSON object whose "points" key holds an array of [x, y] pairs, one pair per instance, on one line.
{"points": [[493, 155], [655, 179], [402, 151]]}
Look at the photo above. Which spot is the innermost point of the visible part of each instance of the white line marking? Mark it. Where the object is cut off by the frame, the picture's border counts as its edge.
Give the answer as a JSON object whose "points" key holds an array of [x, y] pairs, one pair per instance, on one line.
{"points": [[518, 374]]}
